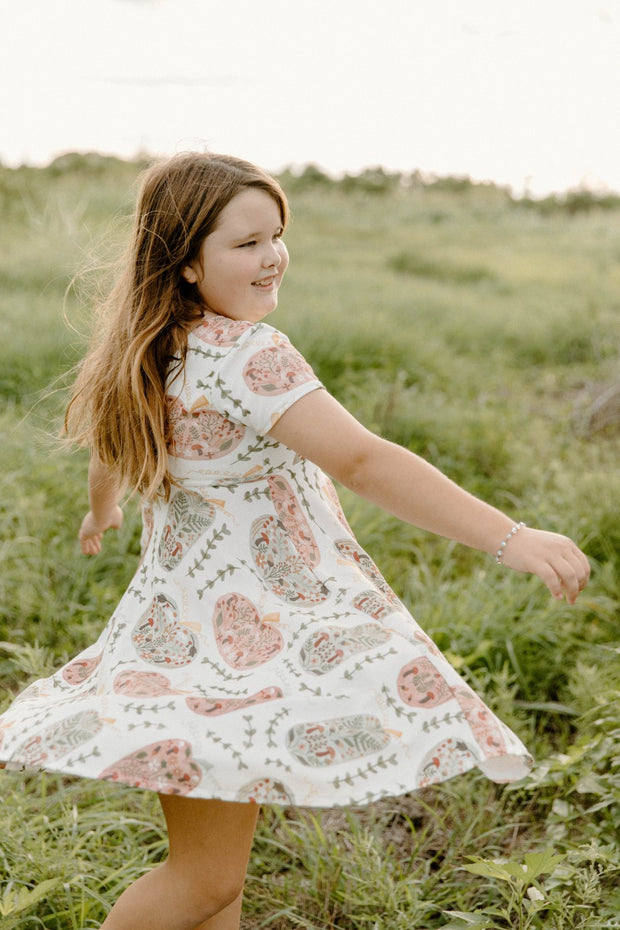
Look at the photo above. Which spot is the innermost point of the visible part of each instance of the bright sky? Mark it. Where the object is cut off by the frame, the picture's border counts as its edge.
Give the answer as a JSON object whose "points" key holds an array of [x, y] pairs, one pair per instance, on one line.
{"points": [[515, 91]]}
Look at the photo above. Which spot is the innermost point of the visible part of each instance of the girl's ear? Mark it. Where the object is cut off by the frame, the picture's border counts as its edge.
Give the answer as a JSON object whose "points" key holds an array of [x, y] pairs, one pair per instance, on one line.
{"points": [[189, 274]]}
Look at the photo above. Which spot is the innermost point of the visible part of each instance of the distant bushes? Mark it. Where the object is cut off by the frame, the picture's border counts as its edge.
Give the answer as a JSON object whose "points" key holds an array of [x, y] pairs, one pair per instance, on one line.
{"points": [[580, 200], [372, 180], [377, 180]]}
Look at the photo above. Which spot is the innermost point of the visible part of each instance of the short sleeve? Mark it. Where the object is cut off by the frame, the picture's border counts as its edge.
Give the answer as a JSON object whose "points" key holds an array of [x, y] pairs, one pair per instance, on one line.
{"points": [[249, 373]]}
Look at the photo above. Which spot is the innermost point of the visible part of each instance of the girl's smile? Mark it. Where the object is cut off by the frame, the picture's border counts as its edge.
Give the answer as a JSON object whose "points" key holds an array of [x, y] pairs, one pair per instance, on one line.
{"points": [[241, 264]]}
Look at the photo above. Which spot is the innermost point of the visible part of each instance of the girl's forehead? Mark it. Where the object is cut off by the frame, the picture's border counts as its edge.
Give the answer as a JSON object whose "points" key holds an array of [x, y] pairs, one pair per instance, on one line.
{"points": [[251, 205]]}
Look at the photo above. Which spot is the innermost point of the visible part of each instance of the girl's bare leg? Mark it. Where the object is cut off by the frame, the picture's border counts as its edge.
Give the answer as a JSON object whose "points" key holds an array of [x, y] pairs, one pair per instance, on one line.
{"points": [[228, 919], [200, 885]]}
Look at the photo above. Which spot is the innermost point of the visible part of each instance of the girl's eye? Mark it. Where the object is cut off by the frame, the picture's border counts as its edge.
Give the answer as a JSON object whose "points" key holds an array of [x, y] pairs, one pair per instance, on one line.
{"points": [[244, 245]]}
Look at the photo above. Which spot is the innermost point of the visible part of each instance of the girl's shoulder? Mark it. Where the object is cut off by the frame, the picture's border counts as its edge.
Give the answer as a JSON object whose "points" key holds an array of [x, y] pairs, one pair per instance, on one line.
{"points": [[221, 332], [230, 344]]}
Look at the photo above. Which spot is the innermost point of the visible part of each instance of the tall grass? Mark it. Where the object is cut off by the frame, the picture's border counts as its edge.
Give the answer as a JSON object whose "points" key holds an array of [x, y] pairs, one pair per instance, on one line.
{"points": [[472, 329]]}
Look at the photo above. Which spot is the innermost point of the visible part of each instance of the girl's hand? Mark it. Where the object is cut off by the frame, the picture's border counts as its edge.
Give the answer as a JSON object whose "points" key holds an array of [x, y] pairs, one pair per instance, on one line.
{"points": [[92, 530], [554, 558]]}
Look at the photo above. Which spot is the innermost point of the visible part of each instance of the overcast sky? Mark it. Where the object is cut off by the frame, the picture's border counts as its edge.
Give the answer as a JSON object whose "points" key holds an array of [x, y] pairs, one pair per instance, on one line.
{"points": [[525, 92]]}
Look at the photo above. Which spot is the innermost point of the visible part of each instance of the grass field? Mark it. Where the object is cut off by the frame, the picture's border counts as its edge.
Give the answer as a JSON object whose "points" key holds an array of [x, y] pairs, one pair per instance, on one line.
{"points": [[475, 330]]}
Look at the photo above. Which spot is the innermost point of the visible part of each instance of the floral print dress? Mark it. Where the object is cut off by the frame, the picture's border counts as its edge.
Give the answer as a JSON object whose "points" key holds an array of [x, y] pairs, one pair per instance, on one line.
{"points": [[258, 654]]}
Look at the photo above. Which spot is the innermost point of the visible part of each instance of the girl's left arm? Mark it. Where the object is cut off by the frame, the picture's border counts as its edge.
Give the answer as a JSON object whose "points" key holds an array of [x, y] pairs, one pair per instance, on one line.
{"points": [[404, 484], [103, 494]]}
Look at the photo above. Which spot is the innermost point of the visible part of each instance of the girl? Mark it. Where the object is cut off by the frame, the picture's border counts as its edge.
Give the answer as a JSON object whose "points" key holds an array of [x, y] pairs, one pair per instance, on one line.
{"points": [[258, 655]]}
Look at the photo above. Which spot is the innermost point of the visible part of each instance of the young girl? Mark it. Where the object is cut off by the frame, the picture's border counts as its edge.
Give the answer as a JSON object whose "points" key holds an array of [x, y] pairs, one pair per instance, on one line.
{"points": [[258, 655]]}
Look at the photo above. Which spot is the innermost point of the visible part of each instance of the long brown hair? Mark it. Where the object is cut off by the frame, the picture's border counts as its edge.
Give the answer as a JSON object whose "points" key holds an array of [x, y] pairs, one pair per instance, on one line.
{"points": [[117, 407]]}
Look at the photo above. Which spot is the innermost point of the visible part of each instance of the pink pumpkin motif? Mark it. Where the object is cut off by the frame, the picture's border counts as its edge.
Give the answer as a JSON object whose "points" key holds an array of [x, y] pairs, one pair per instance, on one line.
{"points": [[159, 638], [148, 522], [293, 520], [32, 692], [220, 331], [281, 565], [420, 684], [445, 760], [373, 603], [243, 639], [202, 433], [352, 551], [484, 725], [421, 637], [143, 684], [214, 707], [276, 370], [331, 742], [80, 669], [265, 791], [332, 495], [60, 738], [331, 645], [187, 518], [167, 767]]}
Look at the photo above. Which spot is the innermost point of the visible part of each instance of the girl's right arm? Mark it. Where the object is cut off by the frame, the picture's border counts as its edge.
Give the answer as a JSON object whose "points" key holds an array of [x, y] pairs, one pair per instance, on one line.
{"points": [[104, 514], [319, 428]]}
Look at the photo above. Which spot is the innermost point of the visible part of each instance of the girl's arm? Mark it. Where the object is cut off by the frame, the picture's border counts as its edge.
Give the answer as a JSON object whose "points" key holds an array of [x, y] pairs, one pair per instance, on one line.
{"points": [[320, 429], [103, 495]]}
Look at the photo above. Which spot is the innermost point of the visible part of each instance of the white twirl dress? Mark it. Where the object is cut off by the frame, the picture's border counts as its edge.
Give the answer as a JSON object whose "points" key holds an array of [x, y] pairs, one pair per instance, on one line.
{"points": [[258, 654]]}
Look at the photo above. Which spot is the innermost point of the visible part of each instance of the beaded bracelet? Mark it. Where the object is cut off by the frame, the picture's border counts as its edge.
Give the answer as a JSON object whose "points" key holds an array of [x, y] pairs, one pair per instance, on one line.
{"points": [[500, 552]]}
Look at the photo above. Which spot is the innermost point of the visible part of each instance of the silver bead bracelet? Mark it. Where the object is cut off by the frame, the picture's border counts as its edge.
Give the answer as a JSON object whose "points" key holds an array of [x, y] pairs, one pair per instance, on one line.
{"points": [[500, 552]]}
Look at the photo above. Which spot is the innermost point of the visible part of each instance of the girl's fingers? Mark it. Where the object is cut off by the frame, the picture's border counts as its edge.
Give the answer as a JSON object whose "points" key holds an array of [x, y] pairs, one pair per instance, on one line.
{"points": [[557, 561], [572, 572], [91, 532], [91, 545]]}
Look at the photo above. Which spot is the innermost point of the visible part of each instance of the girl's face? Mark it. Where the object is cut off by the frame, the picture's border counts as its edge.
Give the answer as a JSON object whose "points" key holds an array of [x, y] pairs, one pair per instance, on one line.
{"points": [[242, 262]]}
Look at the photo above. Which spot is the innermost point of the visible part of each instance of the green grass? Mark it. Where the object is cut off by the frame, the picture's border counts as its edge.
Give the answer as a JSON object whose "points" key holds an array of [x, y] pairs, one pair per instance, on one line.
{"points": [[468, 327]]}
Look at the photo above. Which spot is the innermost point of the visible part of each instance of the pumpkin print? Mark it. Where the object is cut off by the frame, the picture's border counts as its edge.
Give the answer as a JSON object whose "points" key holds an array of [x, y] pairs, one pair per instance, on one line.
{"points": [[243, 639], [143, 684], [31, 693], [331, 495], [354, 553], [265, 791], [219, 331], [331, 645], [147, 527], [281, 566], [257, 654], [420, 684], [61, 738], [80, 669], [201, 433], [159, 638], [276, 370], [331, 742], [292, 518], [373, 603], [213, 707], [188, 516], [167, 767], [426, 641], [484, 725], [445, 760]]}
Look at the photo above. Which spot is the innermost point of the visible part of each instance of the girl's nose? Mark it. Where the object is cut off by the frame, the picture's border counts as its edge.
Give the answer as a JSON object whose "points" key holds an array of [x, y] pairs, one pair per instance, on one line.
{"points": [[272, 257]]}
